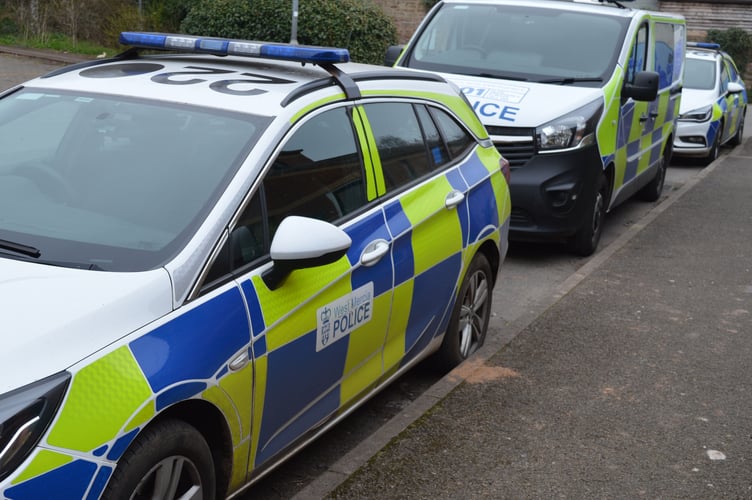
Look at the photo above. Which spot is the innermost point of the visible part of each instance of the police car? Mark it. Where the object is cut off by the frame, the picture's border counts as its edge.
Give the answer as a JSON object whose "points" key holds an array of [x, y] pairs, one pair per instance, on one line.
{"points": [[714, 102], [212, 250]]}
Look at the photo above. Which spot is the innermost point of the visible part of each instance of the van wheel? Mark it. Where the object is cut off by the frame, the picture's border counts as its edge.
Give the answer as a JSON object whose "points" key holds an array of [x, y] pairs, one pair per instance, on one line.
{"points": [[469, 321], [737, 139], [653, 189], [169, 460], [585, 240]]}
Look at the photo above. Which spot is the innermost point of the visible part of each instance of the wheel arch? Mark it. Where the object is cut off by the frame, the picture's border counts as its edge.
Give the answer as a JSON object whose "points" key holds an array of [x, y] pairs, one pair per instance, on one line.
{"points": [[210, 422], [491, 251]]}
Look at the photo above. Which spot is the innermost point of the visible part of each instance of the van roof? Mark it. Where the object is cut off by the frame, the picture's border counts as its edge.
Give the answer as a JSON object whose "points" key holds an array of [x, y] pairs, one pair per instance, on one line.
{"points": [[605, 7]]}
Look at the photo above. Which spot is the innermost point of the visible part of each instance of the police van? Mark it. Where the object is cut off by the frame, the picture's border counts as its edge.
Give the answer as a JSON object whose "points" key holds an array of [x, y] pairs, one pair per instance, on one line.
{"points": [[581, 98]]}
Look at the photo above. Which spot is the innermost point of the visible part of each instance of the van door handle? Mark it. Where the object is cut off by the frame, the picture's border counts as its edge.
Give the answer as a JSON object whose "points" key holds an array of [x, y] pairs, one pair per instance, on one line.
{"points": [[454, 198], [654, 114], [373, 252], [643, 118]]}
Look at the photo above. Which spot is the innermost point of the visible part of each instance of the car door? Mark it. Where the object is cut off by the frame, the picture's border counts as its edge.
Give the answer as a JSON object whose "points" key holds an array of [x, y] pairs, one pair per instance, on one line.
{"points": [[317, 336], [732, 101], [427, 215]]}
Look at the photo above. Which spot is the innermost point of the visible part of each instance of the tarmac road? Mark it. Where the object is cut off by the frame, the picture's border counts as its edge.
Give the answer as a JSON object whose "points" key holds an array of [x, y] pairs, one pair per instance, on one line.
{"points": [[607, 380]]}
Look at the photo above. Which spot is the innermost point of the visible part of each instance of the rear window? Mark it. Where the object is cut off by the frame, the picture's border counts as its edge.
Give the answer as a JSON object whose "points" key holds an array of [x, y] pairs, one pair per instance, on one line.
{"points": [[106, 183], [523, 43]]}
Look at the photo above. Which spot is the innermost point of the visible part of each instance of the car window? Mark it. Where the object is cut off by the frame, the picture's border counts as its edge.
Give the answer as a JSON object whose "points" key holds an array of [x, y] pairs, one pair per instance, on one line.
{"points": [[105, 182], [318, 173], [400, 143], [699, 74], [457, 138], [731, 68], [724, 77]]}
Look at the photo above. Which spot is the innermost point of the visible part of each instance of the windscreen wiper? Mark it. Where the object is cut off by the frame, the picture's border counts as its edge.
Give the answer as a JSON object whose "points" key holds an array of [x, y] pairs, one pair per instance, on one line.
{"points": [[20, 248], [502, 77], [569, 81]]}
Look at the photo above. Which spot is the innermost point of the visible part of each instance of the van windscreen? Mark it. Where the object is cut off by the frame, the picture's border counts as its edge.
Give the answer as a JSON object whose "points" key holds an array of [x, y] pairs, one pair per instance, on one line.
{"points": [[520, 43]]}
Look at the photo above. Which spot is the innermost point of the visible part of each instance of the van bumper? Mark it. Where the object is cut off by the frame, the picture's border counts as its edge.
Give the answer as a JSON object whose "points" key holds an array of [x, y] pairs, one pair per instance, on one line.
{"points": [[551, 192]]}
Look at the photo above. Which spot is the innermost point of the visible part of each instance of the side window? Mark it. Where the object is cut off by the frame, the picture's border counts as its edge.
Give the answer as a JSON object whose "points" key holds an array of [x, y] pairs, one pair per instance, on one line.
{"points": [[638, 56], [664, 54], [457, 138], [724, 77], [399, 140], [318, 173]]}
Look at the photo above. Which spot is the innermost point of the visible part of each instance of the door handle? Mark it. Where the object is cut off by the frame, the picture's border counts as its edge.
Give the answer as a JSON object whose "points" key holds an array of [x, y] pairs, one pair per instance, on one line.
{"points": [[454, 198], [373, 252], [643, 118]]}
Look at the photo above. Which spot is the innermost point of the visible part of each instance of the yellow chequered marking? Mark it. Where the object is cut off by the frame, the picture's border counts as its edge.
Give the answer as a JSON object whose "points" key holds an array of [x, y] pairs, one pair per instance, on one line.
{"points": [[144, 415], [261, 366], [236, 385], [394, 349], [363, 343], [221, 400], [103, 396], [44, 462], [437, 233], [239, 470]]}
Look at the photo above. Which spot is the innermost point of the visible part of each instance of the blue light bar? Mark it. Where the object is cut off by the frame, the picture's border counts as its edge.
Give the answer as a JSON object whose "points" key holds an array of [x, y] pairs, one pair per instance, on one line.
{"points": [[705, 45], [228, 47]]}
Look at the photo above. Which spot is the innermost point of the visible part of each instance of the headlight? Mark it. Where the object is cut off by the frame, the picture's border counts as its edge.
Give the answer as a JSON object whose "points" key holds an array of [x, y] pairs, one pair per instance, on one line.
{"points": [[698, 115], [571, 130], [25, 414]]}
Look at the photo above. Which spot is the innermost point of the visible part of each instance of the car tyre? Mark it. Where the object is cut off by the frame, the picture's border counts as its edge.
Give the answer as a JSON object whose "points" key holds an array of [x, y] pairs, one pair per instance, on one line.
{"points": [[716, 148], [737, 139], [653, 189], [585, 240], [169, 460], [469, 321]]}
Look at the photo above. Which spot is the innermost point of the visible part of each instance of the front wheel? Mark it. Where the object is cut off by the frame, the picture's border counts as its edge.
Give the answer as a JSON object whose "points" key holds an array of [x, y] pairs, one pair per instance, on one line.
{"points": [[168, 461], [469, 321], [715, 149], [585, 240], [737, 139]]}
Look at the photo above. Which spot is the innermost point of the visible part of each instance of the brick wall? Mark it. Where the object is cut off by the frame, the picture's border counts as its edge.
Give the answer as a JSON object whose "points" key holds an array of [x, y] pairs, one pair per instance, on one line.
{"points": [[406, 14]]}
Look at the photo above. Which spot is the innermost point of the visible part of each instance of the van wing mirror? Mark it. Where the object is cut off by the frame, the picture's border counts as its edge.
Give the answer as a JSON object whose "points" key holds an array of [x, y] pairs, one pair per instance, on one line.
{"points": [[644, 87], [392, 54]]}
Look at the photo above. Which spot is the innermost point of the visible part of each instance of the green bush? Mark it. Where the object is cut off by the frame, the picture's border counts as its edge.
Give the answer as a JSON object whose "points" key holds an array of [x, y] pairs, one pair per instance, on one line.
{"points": [[735, 41], [358, 25]]}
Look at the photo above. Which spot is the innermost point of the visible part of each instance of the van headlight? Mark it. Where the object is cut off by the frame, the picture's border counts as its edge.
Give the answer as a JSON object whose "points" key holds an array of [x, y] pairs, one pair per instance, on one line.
{"points": [[702, 114], [25, 414], [575, 129]]}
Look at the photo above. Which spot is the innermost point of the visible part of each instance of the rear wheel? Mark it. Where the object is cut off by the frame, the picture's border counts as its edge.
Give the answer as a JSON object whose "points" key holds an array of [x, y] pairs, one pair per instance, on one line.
{"points": [[469, 321], [170, 460], [653, 189], [585, 240]]}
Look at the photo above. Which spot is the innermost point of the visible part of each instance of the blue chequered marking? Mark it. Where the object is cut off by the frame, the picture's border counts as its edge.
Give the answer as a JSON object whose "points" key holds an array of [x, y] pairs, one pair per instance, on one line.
{"points": [[288, 394], [432, 291], [100, 481], [179, 393], [362, 233], [404, 259], [473, 170], [194, 345], [396, 220], [456, 180], [254, 308], [713, 130], [121, 445], [100, 451], [68, 482], [625, 125], [631, 168], [482, 203], [259, 347]]}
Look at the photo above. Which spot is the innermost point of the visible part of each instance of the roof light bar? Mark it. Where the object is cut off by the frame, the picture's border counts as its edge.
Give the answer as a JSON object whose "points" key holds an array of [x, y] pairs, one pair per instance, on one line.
{"points": [[705, 45], [228, 47]]}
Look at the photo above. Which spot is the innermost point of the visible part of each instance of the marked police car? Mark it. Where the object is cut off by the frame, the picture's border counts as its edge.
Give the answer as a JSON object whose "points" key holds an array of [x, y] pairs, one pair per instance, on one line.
{"points": [[206, 259], [714, 102]]}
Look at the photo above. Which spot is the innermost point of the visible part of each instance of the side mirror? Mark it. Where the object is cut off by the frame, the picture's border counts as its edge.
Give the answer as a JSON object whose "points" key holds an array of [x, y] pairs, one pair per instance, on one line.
{"points": [[302, 242], [392, 54], [644, 88], [734, 88]]}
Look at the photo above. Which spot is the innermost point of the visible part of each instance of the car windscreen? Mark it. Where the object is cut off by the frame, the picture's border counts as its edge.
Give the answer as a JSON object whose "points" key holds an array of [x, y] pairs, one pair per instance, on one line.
{"points": [[520, 43], [699, 74], [102, 182]]}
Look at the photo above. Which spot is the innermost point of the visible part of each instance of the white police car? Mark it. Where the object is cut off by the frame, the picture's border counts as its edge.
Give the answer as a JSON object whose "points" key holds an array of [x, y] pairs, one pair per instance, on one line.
{"points": [[206, 259], [714, 102]]}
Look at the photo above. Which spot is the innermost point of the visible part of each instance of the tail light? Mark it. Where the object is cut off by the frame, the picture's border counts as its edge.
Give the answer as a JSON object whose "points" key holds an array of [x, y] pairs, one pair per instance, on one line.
{"points": [[505, 168]]}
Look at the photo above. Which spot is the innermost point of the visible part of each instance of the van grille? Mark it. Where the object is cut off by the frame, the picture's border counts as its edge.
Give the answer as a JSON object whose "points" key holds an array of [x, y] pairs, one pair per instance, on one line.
{"points": [[515, 144]]}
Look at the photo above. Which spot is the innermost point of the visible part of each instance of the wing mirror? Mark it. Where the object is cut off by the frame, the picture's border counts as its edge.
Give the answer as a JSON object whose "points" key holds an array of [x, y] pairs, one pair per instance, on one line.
{"points": [[644, 87], [302, 242]]}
